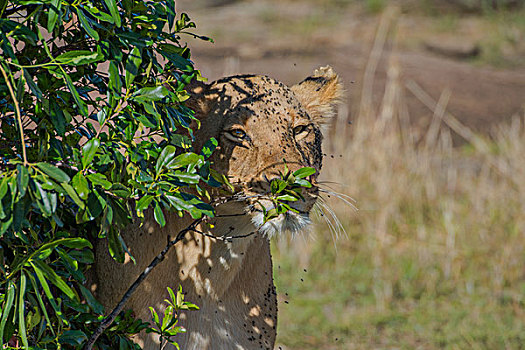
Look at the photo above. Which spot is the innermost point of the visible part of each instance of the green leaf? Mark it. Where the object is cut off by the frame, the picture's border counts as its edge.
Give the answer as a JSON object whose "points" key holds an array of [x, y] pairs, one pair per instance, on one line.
{"points": [[270, 214], [304, 172], [53, 172], [184, 160], [178, 203], [21, 307], [91, 301], [112, 6], [48, 293], [209, 147], [44, 204], [132, 65], [100, 179], [81, 185], [102, 115], [168, 317], [70, 264], [6, 309], [76, 243], [86, 25], [51, 276], [41, 303], [32, 86], [120, 190], [180, 297], [80, 104], [115, 84], [151, 94], [144, 202], [94, 206], [159, 215], [79, 57], [287, 197], [172, 54], [154, 315], [187, 178], [167, 154], [73, 338], [73, 195], [303, 183], [22, 179], [84, 256], [95, 12], [88, 152], [54, 11], [115, 246], [4, 187], [171, 293], [278, 186], [57, 117], [17, 31], [3, 5]]}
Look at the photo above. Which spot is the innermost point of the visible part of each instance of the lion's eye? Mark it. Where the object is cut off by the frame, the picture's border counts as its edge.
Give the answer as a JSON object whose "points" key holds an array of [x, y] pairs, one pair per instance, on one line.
{"points": [[300, 129], [236, 134]]}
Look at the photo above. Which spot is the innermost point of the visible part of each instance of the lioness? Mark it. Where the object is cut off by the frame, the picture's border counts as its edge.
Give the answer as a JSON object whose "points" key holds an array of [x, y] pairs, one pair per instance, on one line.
{"points": [[260, 124]]}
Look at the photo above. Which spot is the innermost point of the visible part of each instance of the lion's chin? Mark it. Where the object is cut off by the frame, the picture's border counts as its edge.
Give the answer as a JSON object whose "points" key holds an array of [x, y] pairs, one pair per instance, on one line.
{"points": [[289, 222]]}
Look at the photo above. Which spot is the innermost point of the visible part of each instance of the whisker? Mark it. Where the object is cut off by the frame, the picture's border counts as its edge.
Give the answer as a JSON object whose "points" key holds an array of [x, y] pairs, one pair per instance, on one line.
{"points": [[343, 197], [320, 211], [324, 182], [340, 227], [334, 229], [336, 193]]}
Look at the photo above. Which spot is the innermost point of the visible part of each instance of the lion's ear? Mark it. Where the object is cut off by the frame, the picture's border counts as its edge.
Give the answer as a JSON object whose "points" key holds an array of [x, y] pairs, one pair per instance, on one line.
{"points": [[198, 101], [320, 93]]}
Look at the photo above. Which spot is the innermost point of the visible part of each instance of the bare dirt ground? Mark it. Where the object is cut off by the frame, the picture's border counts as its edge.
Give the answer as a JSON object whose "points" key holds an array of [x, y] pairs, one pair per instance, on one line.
{"points": [[287, 40]]}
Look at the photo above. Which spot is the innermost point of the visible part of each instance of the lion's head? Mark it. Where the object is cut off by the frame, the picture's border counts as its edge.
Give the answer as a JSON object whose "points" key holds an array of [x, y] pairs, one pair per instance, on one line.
{"points": [[261, 125]]}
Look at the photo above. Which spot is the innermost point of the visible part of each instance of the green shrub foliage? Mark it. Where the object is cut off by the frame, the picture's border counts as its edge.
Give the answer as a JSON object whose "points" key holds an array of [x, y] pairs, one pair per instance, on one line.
{"points": [[93, 132]]}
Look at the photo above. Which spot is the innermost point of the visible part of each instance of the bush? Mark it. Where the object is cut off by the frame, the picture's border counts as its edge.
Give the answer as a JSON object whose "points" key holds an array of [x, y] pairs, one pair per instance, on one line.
{"points": [[93, 132]]}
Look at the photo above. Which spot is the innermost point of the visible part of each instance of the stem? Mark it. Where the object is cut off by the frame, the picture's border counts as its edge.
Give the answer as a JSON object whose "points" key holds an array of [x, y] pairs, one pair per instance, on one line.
{"points": [[111, 317], [18, 114], [158, 259], [116, 111]]}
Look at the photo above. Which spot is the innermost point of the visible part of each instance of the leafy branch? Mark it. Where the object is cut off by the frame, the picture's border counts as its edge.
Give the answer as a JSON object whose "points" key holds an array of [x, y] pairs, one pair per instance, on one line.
{"points": [[88, 161], [167, 329], [285, 189], [120, 306]]}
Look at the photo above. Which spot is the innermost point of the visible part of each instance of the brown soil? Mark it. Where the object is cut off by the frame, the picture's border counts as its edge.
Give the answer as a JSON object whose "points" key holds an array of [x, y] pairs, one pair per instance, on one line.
{"points": [[287, 40]]}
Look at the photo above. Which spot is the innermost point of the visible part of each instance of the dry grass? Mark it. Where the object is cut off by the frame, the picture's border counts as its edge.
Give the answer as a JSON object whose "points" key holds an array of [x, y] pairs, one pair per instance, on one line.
{"points": [[434, 257]]}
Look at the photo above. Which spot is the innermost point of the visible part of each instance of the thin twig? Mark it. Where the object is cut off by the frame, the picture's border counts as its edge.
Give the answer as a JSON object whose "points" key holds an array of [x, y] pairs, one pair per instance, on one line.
{"points": [[18, 114], [111, 317], [224, 237], [158, 259]]}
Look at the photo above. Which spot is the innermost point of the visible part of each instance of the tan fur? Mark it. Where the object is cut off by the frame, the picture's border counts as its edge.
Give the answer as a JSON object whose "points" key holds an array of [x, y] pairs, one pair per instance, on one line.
{"points": [[231, 282]]}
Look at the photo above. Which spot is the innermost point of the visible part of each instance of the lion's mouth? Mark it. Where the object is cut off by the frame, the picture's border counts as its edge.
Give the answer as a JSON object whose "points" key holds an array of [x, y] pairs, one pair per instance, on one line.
{"points": [[289, 222]]}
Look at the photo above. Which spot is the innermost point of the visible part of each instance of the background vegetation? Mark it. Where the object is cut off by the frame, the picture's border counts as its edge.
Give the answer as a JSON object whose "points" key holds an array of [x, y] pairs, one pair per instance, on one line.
{"points": [[433, 258]]}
